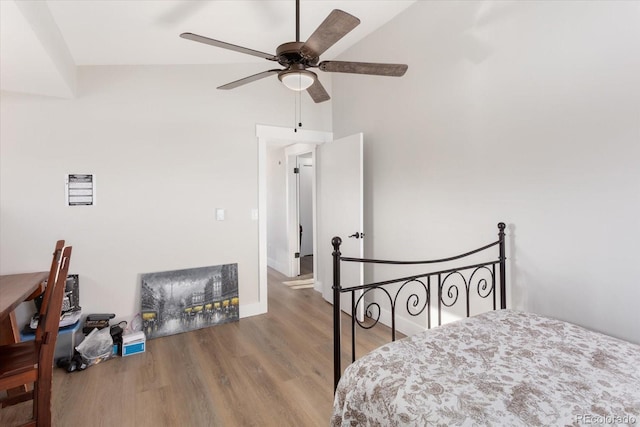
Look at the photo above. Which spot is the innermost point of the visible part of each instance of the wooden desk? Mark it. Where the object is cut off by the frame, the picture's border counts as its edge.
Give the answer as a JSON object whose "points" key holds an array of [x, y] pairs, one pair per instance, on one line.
{"points": [[14, 289]]}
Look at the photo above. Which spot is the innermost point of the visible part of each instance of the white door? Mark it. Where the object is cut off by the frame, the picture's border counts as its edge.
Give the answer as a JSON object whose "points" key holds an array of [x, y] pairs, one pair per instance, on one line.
{"points": [[340, 202]]}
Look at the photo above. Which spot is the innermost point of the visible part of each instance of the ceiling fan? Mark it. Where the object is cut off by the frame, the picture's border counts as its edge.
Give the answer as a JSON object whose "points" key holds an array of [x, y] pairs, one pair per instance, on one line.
{"points": [[297, 57]]}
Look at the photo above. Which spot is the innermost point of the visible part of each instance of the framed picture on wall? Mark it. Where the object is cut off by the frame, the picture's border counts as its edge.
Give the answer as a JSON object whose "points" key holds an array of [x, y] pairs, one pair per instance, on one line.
{"points": [[80, 189]]}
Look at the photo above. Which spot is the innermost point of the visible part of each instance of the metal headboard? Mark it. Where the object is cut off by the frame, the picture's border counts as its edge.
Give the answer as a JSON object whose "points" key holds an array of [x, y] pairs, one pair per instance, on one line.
{"points": [[445, 299]]}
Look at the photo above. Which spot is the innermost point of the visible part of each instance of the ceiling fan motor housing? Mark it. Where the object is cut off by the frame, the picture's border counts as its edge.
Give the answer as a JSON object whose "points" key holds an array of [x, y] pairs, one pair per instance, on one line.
{"points": [[289, 53]]}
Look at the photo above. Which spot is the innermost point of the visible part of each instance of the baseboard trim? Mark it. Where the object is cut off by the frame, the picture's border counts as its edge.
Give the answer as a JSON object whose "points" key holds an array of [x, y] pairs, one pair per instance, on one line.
{"points": [[278, 266], [403, 325], [256, 309]]}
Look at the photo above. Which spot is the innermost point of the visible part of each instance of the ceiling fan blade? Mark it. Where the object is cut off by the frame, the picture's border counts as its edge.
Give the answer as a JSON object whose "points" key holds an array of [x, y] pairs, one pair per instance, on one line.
{"points": [[376, 69], [224, 45], [317, 92], [249, 79], [333, 28]]}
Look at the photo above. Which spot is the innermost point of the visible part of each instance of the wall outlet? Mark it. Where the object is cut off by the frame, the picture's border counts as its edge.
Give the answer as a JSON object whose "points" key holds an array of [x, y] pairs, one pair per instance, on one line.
{"points": [[219, 214]]}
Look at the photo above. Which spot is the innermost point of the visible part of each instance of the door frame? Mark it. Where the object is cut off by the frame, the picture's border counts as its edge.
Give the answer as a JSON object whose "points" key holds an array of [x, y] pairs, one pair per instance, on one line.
{"points": [[272, 135]]}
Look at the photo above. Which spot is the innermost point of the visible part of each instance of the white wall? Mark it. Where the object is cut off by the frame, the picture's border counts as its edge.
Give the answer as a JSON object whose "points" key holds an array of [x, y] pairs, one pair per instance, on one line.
{"points": [[277, 243], [167, 149], [522, 112]]}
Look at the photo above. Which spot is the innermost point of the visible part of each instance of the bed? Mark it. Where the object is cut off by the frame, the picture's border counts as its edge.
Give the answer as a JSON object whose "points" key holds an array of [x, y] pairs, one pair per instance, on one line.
{"points": [[499, 367]]}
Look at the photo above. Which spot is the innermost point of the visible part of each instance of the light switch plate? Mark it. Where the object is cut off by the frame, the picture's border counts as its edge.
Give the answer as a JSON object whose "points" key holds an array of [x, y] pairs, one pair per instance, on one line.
{"points": [[219, 214]]}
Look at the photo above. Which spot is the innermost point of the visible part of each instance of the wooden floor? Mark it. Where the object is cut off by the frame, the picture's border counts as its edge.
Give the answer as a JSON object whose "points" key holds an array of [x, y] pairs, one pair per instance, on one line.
{"points": [[306, 264], [269, 370]]}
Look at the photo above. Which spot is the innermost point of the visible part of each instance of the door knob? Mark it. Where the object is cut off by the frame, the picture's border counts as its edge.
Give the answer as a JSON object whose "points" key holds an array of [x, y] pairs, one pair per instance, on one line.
{"points": [[357, 235]]}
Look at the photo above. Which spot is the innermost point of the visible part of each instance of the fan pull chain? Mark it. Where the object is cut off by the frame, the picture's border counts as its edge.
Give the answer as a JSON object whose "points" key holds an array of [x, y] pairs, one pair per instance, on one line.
{"points": [[300, 109], [297, 111]]}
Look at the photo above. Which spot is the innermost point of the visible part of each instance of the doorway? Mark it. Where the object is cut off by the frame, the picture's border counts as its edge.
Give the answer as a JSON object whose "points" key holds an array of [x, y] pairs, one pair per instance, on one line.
{"points": [[305, 191], [300, 200], [272, 136], [298, 143]]}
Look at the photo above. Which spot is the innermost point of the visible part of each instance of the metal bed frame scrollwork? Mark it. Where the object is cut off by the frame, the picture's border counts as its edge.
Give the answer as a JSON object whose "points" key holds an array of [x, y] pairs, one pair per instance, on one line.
{"points": [[447, 296]]}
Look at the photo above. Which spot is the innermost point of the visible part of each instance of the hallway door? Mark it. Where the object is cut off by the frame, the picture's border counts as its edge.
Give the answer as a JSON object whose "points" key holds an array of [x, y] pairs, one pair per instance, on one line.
{"points": [[340, 194]]}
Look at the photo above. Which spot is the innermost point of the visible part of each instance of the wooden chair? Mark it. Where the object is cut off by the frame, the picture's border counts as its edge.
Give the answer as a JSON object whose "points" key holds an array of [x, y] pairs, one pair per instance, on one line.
{"points": [[32, 361], [21, 395]]}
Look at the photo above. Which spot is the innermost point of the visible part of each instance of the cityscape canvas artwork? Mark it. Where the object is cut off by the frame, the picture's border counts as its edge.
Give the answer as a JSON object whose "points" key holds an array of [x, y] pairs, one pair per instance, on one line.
{"points": [[185, 300]]}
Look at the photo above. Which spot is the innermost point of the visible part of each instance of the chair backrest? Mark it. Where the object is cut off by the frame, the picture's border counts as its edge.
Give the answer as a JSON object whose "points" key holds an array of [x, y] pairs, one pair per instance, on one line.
{"points": [[51, 320], [47, 344], [53, 272]]}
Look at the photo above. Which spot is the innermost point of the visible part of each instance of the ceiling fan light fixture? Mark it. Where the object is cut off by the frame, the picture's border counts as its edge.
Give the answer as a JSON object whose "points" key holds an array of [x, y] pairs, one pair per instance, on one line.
{"points": [[297, 79]]}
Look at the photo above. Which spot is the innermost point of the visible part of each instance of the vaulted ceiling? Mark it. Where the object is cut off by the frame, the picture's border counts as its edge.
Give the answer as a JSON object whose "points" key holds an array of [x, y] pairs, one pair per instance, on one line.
{"points": [[43, 42]]}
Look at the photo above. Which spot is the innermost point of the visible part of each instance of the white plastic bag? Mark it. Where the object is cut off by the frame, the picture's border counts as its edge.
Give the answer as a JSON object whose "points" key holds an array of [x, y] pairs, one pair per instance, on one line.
{"points": [[97, 345]]}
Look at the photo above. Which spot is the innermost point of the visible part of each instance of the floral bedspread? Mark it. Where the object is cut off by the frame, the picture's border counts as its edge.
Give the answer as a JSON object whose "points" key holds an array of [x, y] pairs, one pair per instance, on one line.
{"points": [[499, 368]]}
